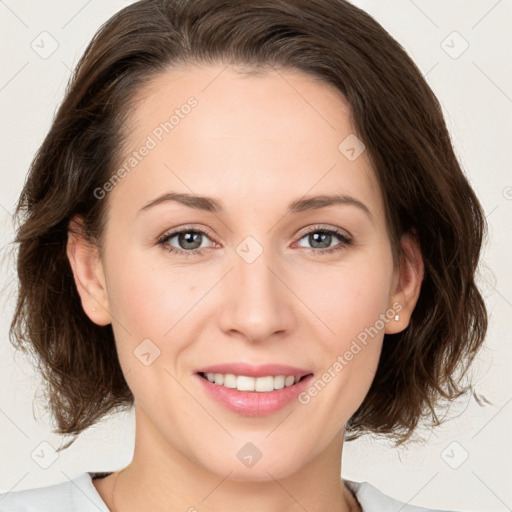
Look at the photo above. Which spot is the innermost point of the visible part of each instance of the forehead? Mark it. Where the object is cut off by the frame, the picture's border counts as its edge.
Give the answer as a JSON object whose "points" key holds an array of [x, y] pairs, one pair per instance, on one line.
{"points": [[243, 103], [274, 136]]}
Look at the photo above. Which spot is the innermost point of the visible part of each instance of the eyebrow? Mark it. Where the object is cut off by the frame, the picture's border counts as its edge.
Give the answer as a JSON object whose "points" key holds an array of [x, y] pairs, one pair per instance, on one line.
{"points": [[210, 204]]}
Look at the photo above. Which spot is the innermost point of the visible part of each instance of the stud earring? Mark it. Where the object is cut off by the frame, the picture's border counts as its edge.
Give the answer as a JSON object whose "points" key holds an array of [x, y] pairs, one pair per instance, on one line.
{"points": [[397, 318]]}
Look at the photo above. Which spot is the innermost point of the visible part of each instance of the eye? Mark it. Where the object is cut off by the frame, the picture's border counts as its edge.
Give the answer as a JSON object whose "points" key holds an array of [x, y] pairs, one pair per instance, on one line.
{"points": [[189, 241], [322, 238]]}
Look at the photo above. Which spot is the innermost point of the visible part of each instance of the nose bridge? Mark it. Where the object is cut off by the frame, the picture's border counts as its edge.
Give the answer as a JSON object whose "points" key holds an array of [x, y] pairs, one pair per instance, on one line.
{"points": [[258, 304]]}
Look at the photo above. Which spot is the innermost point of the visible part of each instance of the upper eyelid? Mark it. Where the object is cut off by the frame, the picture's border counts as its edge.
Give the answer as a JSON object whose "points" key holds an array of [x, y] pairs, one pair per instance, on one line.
{"points": [[318, 227], [172, 233]]}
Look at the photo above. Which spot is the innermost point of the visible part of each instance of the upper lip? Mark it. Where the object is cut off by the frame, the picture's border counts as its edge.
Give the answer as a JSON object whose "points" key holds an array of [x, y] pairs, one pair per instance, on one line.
{"points": [[255, 370]]}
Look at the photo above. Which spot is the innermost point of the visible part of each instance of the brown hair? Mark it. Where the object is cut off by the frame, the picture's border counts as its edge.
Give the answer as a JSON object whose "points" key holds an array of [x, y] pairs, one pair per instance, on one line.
{"points": [[395, 114]]}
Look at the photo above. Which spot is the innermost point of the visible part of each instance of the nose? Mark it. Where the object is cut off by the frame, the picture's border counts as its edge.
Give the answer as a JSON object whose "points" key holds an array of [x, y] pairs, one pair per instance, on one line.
{"points": [[258, 302]]}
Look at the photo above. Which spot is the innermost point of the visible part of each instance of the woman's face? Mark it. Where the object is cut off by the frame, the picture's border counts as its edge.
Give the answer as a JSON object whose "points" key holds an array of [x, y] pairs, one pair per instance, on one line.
{"points": [[252, 280]]}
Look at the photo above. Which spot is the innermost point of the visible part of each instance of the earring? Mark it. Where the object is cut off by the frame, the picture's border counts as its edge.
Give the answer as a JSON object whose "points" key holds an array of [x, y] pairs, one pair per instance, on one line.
{"points": [[94, 309], [397, 318]]}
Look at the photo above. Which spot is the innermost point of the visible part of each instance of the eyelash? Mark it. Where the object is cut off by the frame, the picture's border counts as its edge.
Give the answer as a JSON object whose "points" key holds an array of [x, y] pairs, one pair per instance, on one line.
{"points": [[345, 241]]}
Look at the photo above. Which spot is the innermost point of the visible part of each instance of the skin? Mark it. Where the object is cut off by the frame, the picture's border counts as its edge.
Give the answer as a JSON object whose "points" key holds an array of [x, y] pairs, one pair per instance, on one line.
{"points": [[272, 139]]}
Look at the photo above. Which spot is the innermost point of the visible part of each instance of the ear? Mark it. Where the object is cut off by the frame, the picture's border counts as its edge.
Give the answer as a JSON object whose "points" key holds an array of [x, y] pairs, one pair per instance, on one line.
{"points": [[406, 284], [88, 273]]}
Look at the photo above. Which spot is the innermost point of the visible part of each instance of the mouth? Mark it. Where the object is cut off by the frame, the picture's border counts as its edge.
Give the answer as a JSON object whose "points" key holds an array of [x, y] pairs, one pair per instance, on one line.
{"points": [[264, 384], [254, 390]]}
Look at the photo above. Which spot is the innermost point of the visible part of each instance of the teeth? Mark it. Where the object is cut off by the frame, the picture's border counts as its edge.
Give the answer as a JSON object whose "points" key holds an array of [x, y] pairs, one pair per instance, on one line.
{"points": [[245, 383], [229, 380]]}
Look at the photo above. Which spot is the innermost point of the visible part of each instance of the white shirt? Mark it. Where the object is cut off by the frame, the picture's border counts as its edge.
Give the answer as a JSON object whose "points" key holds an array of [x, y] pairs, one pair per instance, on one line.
{"points": [[80, 495]]}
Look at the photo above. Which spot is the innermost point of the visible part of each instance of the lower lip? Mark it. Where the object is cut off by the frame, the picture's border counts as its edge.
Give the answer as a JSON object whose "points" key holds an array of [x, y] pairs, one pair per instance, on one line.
{"points": [[254, 403]]}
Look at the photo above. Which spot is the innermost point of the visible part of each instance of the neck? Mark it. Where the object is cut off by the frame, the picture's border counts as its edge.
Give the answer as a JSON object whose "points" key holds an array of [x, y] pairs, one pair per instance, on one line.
{"points": [[163, 479]]}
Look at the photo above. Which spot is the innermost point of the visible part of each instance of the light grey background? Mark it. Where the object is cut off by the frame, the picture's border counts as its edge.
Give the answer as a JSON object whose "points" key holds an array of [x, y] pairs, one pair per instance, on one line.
{"points": [[464, 465]]}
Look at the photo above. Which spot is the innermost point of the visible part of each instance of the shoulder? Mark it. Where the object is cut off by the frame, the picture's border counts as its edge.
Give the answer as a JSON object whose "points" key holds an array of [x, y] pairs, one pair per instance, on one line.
{"points": [[373, 500], [76, 495]]}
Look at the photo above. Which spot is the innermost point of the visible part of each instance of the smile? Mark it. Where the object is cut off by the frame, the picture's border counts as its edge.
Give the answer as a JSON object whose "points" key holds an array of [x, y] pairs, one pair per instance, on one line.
{"points": [[253, 390]]}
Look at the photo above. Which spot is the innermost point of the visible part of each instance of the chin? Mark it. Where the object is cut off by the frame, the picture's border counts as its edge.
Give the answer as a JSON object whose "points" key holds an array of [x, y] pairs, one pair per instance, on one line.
{"points": [[261, 471]]}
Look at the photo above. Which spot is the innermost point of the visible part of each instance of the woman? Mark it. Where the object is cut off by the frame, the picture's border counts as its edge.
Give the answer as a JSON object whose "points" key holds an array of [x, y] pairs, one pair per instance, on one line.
{"points": [[246, 221]]}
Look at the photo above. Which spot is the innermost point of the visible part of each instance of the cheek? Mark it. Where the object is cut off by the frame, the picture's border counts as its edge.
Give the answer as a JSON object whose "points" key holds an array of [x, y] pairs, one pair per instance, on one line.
{"points": [[158, 302], [350, 298], [351, 303], [153, 307], [149, 299]]}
